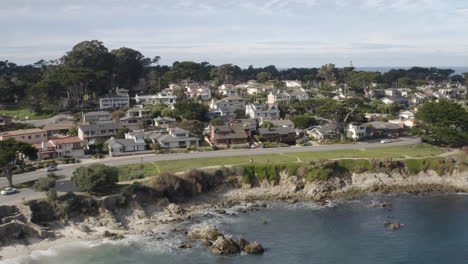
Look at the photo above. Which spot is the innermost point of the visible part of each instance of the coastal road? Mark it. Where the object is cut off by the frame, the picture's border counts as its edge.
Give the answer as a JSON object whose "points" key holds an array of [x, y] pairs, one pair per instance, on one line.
{"points": [[68, 169]]}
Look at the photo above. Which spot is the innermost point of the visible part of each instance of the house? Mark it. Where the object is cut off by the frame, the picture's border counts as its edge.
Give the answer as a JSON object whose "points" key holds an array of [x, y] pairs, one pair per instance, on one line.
{"points": [[399, 100], [62, 147], [376, 94], [418, 98], [250, 123], [358, 131], [228, 90], [163, 98], [95, 116], [384, 129], [298, 95], [262, 111], [403, 123], [131, 143], [226, 107], [324, 132], [164, 121], [406, 114], [31, 136], [261, 89], [118, 99], [132, 122], [282, 123], [88, 132], [176, 138], [293, 84], [230, 134], [194, 91], [375, 116], [285, 135], [139, 112], [59, 128], [5, 122], [392, 92], [278, 98]]}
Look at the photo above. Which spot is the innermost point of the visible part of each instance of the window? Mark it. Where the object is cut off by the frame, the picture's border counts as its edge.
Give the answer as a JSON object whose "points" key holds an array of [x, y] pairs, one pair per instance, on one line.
{"points": [[29, 137]]}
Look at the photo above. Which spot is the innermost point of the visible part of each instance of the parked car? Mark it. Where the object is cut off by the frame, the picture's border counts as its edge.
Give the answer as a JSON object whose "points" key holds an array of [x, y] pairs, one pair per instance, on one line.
{"points": [[383, 141], [8, 191], [52, 168]]}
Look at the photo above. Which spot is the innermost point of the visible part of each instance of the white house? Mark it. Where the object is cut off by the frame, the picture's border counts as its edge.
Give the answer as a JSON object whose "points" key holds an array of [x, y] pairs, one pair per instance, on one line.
{"points": [[293, 84], [193, 91], [176, 138], [119, 99], [134, 141], [227, 106], [164, 121], [164, 98], [263, 111], [357, 131]]}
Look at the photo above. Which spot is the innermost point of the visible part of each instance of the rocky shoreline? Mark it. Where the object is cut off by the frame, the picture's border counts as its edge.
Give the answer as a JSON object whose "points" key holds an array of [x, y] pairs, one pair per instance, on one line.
{"points": [[152, 214]]}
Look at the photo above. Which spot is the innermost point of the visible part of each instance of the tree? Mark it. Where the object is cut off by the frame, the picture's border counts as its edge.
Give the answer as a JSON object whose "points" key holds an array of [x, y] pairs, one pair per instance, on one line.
{"points": [[128, 67], [12, 153], [73, 132], [442, 122], [267, 124], [303, 121], [195, 127], [225, 73], [121, 132], [239, 114], [96, 178], [328, 72], [167, 112], [263, 77], [190, 110], [217, 122]]}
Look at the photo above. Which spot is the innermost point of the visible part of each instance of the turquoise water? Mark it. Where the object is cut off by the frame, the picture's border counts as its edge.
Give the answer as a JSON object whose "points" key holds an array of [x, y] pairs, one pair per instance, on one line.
{"points": [[435, 231]]}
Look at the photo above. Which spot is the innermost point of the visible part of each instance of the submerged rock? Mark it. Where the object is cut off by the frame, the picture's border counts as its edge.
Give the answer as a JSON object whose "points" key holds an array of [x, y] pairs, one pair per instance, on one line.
{"points": [[242, 242], [224, 246], [206, 243], [207, 232], [395, 226], [254, 248], [184, 245]]}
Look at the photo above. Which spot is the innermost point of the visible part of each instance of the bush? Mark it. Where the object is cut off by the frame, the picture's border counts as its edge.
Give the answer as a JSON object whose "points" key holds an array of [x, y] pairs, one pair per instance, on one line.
{"points": [[44, 184], [319, 174], [414, 165], [292, 169], [96, 179], [357, 165], [249, 174], [52, 194]]}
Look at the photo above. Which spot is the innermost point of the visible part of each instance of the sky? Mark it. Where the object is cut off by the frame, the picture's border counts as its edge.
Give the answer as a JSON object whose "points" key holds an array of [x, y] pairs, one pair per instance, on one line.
{"points": [[285, 33]]}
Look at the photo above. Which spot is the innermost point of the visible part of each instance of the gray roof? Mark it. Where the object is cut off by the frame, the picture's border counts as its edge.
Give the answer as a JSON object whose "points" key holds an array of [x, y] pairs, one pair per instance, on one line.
{"points": [[397, 98], [284, 122], [97, 113], [384, 125], [125, 142], [167, 138], [325, 129], [276, 130], [94, 127], [168, 119]]}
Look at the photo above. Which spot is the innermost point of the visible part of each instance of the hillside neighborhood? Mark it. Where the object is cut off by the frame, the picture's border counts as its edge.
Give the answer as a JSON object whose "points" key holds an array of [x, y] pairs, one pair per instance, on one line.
{"points": [[239, 115]]}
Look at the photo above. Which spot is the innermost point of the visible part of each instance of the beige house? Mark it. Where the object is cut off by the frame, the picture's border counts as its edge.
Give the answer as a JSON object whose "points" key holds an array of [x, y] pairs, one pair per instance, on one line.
{"points": [[31, 136], [65, 147]]}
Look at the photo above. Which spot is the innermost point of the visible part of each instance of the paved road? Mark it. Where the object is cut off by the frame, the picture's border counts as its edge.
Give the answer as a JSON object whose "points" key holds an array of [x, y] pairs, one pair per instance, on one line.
{"points": [[68, 169]]}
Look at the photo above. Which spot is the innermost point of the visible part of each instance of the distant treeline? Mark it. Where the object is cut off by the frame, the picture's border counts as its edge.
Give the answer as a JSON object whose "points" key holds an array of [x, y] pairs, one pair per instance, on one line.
{"points": [[90, 70]]}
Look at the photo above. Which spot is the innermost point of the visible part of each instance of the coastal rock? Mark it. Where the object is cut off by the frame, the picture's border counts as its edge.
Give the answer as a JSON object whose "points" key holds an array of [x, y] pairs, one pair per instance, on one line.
{"points": [[113, 236], [242, 242], [174, 209], [381, 204], [207, 232], [386, 223], [254, 248], [394, 226], [220, 211], [224, 246], [184, 245], [84, 228], [206, 243]]}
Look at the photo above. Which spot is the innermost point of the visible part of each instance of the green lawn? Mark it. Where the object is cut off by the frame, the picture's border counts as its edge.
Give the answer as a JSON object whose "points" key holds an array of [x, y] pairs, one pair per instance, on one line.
{"points": [[23, 113], [413, 151]]}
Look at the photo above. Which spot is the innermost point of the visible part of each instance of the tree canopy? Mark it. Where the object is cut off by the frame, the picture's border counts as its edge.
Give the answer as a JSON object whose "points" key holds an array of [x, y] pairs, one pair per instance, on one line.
{"points": [[12, 153]]}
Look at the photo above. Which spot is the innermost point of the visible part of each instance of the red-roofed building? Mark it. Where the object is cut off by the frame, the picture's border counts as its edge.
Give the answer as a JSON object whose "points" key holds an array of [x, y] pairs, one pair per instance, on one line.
{"points": [[66, 147]]}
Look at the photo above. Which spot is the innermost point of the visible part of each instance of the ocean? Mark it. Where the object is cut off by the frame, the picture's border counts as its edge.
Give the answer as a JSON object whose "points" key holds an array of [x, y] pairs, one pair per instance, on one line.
{"points": [[434, 231], [457, 70]]}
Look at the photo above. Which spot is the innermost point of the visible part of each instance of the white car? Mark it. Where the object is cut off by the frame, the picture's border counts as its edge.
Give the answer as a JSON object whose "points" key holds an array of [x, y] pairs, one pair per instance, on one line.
{"points": [[8, 191], [383, 141]]}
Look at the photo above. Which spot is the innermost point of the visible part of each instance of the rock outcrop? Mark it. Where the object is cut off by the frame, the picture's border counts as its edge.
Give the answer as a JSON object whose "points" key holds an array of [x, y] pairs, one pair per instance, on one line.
{"points": [[224, 245], [254, 248], [207, 233]]}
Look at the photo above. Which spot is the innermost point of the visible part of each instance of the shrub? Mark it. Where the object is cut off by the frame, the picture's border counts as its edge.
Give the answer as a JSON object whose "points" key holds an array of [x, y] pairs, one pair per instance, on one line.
{"points": [[292, 169], [44, 184], [356, 165], [249, 174], [319, 174], [414, 165], [96, 179], [52, 194]]}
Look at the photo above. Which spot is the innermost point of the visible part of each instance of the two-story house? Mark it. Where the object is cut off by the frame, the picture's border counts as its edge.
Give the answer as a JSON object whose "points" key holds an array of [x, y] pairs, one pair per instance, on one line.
{"points": [[31, 136], [133, 141], [164, 98], [62, 147], [226, 107], [59, 128], [176, 138], [230, 134], [164, 121], [358, 131], [117, 99], [96, 116], [194, 91], [100, 130], [285, 135], [262, 111]]}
